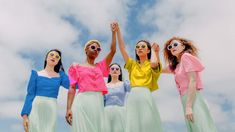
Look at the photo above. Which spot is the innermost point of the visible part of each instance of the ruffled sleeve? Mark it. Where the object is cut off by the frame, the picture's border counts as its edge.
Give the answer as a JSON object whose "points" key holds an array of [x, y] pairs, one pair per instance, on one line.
{"points": [[129, 64], [73, 76], [64, 80], [127, 86], [191, 63], [103, 67], [31, 92]]}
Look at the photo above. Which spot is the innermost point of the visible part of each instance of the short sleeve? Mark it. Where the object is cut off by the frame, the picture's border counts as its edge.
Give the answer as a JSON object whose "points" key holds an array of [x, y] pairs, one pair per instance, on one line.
{"points": [[127, 86], [129, 64], [103, 67], [64, 80], [73, 75], [31, 92], [191, 63]]}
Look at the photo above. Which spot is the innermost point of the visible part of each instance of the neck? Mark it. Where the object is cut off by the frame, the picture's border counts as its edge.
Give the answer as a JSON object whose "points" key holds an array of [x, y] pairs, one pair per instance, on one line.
{"points": [[90, 61], [114, 79], [143, 59], [49, 68]]}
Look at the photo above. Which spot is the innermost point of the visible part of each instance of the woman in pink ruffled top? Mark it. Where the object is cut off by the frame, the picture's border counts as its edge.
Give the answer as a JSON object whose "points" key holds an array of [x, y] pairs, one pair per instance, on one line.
{"points": [[181, 56], [85, 110]]}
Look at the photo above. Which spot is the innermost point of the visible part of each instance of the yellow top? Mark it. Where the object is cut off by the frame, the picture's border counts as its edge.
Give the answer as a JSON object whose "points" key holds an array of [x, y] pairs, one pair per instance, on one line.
{"points": [[143, 75]]}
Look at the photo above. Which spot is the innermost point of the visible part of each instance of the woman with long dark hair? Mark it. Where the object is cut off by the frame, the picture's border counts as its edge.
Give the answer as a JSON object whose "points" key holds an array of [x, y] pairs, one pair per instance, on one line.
{"points": [[115, 100], [142, 114], [39, 110], [181, 57], [85, 110]]}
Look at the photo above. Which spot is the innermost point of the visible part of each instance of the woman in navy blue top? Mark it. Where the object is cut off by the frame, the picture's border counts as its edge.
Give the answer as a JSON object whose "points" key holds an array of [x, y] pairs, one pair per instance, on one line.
{"points": [[39, 110]]}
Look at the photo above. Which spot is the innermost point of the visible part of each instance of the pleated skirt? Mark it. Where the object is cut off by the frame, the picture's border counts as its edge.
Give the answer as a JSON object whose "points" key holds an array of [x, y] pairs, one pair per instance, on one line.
{"points": [[43, 114], [115, 118], [88, 112], [141, 112], [203, 121]]}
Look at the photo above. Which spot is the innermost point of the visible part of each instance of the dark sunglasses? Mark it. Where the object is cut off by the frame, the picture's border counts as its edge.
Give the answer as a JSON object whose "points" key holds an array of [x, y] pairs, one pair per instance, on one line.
{"points": [[169, 47], [94, 47], [142, 46]]}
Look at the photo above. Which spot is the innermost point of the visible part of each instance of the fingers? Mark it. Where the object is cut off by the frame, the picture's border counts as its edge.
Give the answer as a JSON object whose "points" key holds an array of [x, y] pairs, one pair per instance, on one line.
{"points": [[190, 117], [25, 125], [68, 118], [114, 26]]}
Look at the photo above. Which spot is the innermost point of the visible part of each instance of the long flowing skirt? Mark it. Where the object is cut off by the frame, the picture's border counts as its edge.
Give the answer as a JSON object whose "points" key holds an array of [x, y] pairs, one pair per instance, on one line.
{"points": [[88, 112], [43, 114], [142, 114], [203, 121], [115, 118]]}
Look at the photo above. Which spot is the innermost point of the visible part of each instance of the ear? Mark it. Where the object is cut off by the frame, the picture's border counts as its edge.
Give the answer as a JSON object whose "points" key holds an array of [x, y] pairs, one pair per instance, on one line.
{"points": [[148, 51]]}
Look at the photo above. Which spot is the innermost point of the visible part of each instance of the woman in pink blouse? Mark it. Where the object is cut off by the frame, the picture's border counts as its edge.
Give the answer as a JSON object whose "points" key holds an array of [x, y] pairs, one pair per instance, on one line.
{"points": [[181, 56], [85, 111]]}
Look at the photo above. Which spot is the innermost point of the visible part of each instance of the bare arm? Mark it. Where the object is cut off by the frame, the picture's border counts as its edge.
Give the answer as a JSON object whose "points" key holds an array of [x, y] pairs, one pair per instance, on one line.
{"points": [[155, 59], [191, 95], [166, 70], [71, 94], [121, 45], [109, 57]]}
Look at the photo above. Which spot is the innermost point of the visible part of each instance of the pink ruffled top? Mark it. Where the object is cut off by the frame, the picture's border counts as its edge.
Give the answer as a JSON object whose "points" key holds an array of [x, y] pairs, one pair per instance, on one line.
{"points": [[188, 63], [89, 79]]}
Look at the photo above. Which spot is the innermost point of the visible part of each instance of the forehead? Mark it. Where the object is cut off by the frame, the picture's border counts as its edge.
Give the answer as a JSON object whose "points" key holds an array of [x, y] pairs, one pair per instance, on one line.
{"points": [[141, 43], [94, 43], [175, 41], [114, 65], [53, 52]]}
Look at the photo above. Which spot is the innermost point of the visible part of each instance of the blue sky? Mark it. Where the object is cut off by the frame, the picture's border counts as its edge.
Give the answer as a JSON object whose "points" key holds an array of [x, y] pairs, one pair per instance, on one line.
{"points": [[29, 28]]}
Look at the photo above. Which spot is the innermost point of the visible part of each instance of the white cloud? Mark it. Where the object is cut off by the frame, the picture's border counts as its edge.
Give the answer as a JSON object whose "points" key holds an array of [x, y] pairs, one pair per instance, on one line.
{"points": [[210, 25]]}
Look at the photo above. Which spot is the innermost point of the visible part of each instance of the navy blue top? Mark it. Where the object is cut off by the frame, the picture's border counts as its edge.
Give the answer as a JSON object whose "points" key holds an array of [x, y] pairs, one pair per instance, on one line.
{"points": [[43, 86], [116, 94]]}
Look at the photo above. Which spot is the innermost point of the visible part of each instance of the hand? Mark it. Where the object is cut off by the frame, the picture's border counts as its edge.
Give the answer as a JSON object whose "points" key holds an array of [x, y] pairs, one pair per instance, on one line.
{"points": [[189, 114], [26, 123], [69, 116], [156, 47], [114, 26]]}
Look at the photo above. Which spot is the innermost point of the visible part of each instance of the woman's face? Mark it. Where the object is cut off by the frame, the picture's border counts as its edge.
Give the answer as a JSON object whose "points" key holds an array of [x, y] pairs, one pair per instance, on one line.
{"points": [[93, 50], [141, 49], [115, 70], [53, 58], [176, 47]]}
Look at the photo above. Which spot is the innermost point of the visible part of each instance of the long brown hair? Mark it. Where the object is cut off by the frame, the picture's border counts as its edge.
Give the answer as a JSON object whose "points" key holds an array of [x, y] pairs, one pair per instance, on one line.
{"points": [[172, 60]]}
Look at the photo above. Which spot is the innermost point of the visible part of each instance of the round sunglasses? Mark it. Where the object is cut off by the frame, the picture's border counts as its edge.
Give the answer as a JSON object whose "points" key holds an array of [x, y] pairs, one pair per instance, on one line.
{"points": [[114, 68], [95, 48], [142, 46], [56, 56], [169, 47]]}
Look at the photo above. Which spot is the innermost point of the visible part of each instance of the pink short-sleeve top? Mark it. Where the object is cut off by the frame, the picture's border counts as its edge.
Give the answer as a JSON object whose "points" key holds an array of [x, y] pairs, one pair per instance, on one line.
{"points": [[89, 79], [188, 63]]}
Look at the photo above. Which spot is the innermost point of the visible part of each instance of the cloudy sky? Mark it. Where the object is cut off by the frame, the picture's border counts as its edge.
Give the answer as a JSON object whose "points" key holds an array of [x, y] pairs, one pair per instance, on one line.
{"points": [[29, 28]]}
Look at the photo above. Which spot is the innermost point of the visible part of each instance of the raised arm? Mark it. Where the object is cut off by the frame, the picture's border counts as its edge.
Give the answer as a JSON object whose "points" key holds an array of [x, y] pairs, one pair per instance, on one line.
{"points": [[110, 55], [121, 44], [155, 60]]}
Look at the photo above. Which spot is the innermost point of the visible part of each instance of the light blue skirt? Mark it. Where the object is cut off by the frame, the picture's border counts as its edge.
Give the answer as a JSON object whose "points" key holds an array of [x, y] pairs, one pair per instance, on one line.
{"points": [[115, 118], [88, 112], [203, 121], [142, 114], [43, 114]]}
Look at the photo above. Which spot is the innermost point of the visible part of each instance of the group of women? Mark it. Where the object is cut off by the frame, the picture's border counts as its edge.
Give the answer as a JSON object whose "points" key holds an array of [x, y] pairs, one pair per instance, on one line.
{"points": [[118, 105]]}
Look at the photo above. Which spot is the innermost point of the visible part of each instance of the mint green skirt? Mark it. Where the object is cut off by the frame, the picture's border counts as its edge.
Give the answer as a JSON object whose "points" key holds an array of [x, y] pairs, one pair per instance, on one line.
{"points": [[43, 114], [203, 121], [88, 112], [142, 114], [115, 118]]}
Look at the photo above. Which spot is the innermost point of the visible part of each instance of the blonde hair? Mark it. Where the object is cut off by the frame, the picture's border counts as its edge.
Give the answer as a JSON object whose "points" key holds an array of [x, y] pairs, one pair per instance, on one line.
{"points": [[91, 42]]}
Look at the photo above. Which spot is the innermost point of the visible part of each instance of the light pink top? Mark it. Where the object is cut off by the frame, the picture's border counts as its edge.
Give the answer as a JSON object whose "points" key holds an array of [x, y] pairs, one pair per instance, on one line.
{"points": [[188, 63], [89, 79]]}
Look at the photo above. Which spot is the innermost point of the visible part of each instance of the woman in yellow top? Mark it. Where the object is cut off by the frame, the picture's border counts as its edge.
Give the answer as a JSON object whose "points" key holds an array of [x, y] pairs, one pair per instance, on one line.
{"points": [[141, 112]]}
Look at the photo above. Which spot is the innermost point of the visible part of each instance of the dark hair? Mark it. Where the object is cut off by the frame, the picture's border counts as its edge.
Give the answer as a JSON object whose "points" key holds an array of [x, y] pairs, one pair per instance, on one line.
{"points": [[189, 48], [149, 47], [119, 77], [59, 67]]}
